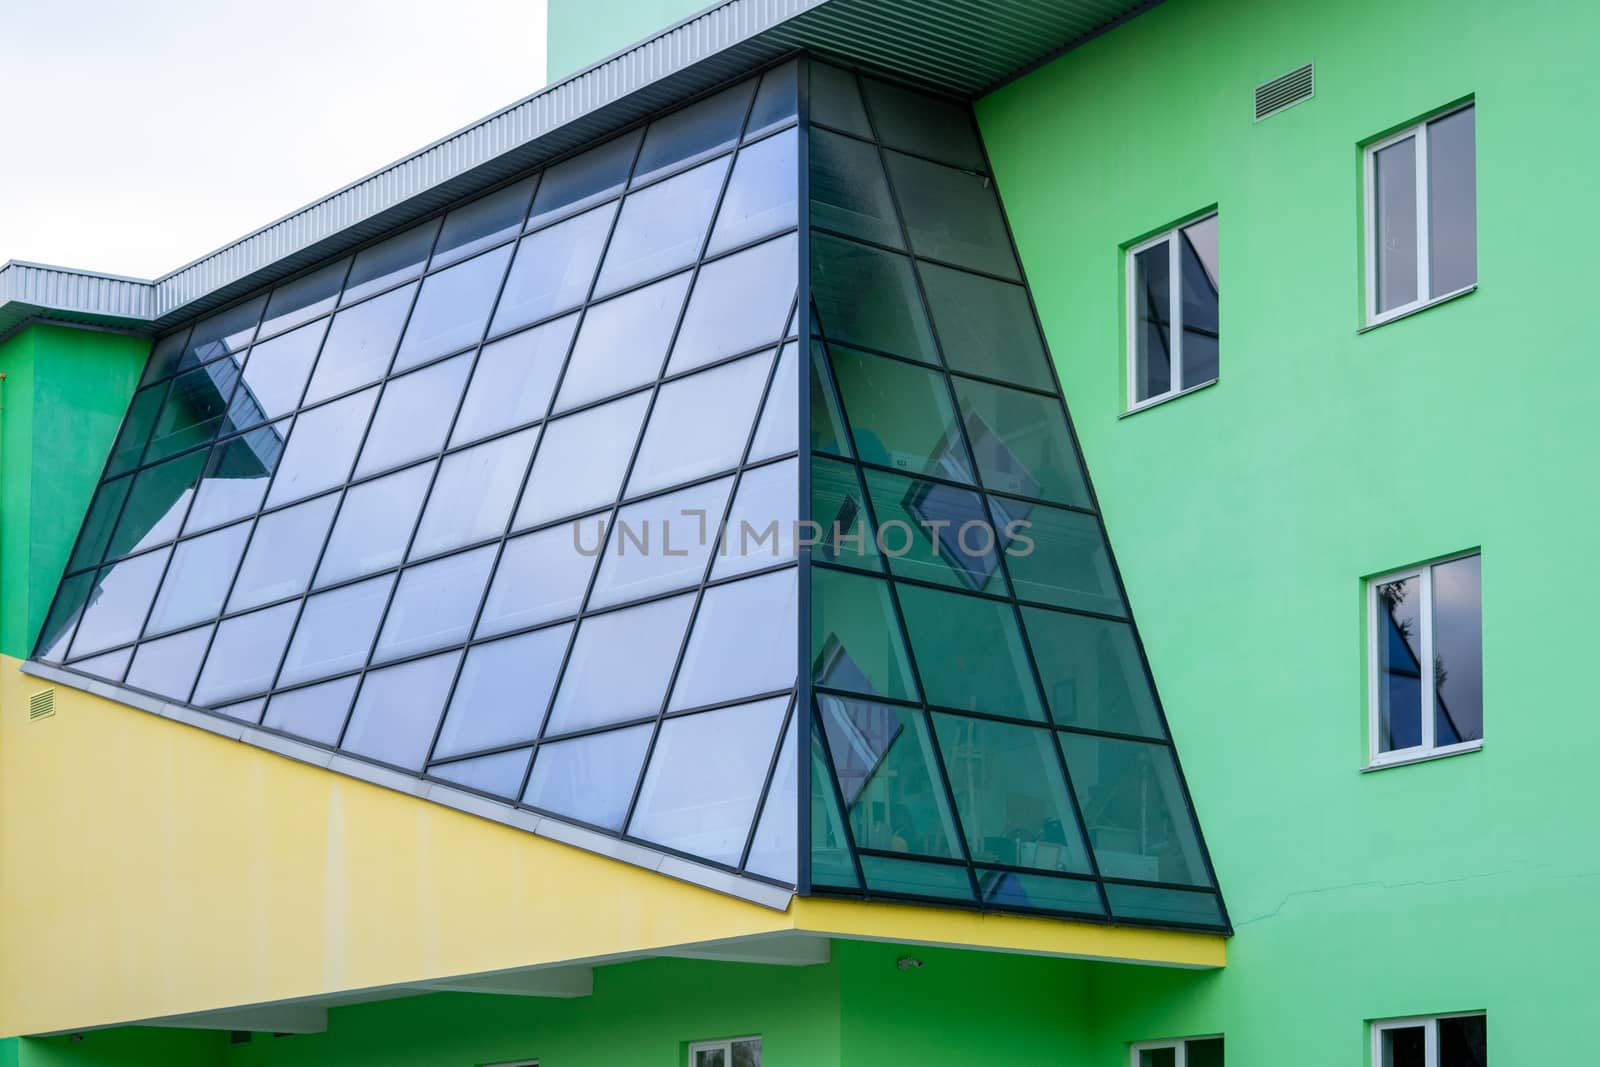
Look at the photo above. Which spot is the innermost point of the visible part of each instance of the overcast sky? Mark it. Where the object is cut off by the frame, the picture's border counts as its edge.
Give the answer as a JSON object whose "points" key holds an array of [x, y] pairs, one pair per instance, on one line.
{"points": [[135, 137]]}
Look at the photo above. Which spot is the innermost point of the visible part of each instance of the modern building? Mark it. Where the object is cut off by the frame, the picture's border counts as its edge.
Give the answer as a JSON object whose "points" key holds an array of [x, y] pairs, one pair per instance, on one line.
{"points": [[760, 554]]}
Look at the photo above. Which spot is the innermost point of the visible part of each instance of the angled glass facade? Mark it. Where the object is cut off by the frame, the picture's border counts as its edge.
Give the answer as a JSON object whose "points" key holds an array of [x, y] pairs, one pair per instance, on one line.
{"points": [[515, 499]]}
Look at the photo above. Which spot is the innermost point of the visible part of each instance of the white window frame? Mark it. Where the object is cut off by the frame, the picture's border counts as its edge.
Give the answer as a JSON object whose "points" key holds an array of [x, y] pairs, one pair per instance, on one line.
{"points": [[725, 1046], [1174, 314], [1430, 1034], [1427, 749], [1369, 170], [1178, 1045]]}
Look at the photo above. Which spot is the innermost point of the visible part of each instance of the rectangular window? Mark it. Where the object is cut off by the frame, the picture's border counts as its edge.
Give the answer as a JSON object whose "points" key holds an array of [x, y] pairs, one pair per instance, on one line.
{"points": [[1422, 206], [738, 1052], [1172, 312], [1192, 1052], [1431, 1041], [1426, 615]]}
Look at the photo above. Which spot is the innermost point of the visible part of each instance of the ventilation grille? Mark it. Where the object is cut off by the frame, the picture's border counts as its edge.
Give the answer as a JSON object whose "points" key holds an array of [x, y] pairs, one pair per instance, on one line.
{"points": [[1285, 92], [42, 704]]}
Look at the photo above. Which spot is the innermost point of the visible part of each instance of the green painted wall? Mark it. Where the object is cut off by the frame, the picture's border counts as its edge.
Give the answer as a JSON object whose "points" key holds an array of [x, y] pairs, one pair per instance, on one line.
{"points": [[1245, 515], [586, 31], [64, 396]]}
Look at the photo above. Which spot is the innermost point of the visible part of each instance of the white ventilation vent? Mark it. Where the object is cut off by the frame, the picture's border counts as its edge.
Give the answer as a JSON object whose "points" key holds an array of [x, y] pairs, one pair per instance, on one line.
{"points": [[42, 704], [1285, 92]]}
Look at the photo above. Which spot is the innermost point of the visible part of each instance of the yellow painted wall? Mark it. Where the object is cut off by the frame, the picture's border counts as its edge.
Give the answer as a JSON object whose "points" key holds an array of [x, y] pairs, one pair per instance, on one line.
{"points": [[150, 869]]}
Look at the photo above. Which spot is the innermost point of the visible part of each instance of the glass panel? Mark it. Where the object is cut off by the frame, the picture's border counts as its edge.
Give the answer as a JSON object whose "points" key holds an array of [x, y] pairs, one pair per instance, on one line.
{"points": [[388, 262], [275, 375], [322, 447], [1021, 443], [932, 126], [711, 1057], [336, 631], [112, 666], [849, 192], [398, 710], [772, 850], [1452, 204], [247, 711], [451, 312], [661, 544], [553, 270], [245, 654], [583, 460], [761, 196], [747, 1053], [868, 297], [360, 344], [590, 779], [513, 380], [227, 331], [1134, 810], [414, 415], [1197, 266], [1092, 674], [836, 100], [662, 227], [888, 774], [156, 504], [168, 667], [936, 532], [542, 576], [969, 653], [777, 101], [315, 713], [1395, 215], [1458, 650], [1403, 1046], [744, 642], [1009, 793], [236, 475], [434, 604], [498, 775], [1008, 889], [1152, 322], [952, 215], [844, 532], [900, 415], [1056, 556], [481, 223], [705, 777], [986, 327], [700, 424], [584, 179], [503, 692], [827, 424], [56, 634], [193, 410], [832, 862], [620, 665], [118, 603], [375, 524], [198, 579], [779, 429], [739, 303], [474, 494], [98, 524], [910, 877], [694, 132], [136, 426], [304, 298], [282, 553], [761, 527], [167, 355], [1206, 1053], [1159, 1057], [623, 342], [1463, 1041], [1399, 643], [855, 640]]}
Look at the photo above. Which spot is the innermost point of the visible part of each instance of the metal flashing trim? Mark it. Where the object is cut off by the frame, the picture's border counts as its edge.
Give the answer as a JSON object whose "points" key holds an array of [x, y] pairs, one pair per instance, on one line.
{"points": [[544, 826]]}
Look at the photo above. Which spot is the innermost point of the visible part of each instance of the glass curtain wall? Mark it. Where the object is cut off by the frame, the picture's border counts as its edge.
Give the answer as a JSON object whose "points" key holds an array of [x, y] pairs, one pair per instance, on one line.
{"points": [[985, 730]]}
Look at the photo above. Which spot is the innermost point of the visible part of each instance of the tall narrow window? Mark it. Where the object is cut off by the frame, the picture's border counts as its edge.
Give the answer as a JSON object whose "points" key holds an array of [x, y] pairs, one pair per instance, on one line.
{"points": [[1194, 1052], [1172, 312], [1431, 1041], [1426, 615], [739, 1052], [1422, 206]]}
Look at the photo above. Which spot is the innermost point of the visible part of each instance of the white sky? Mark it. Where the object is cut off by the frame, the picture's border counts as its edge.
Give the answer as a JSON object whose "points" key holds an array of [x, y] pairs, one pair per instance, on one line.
{"points": [[135, 137]]}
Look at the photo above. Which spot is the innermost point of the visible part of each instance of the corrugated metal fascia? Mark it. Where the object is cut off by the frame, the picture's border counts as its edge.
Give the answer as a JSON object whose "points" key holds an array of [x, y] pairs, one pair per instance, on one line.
{"points": [[30, 290]]}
